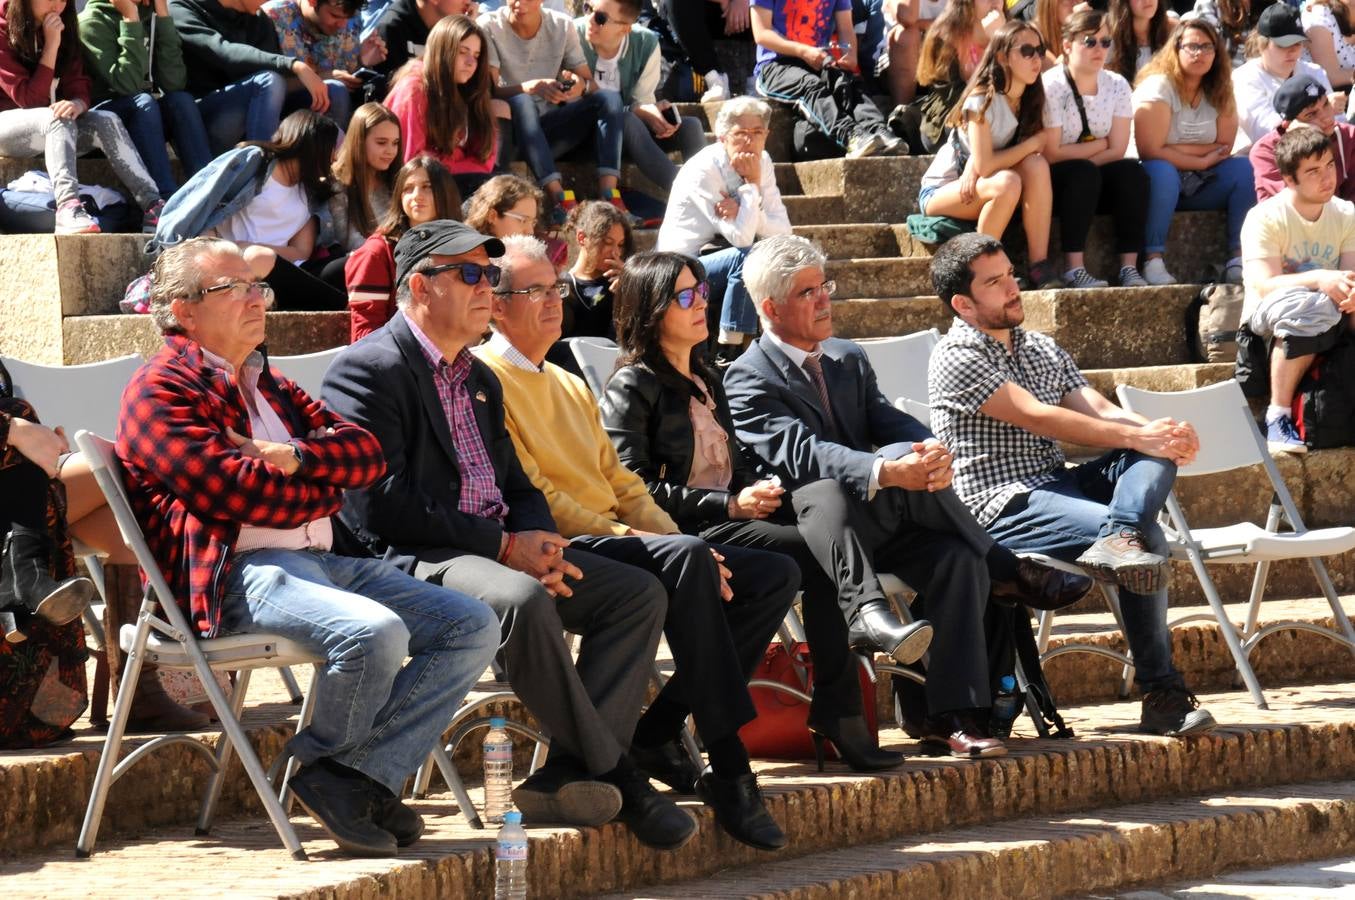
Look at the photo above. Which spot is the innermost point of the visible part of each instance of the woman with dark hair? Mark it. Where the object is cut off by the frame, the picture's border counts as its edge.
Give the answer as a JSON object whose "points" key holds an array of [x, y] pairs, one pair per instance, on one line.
{"points": [[424, 190], [460, 127], [364, 172], [992, 161], [1234, 21], [1185, 121], [666, 413], [1087, 116], [1139, 29]]}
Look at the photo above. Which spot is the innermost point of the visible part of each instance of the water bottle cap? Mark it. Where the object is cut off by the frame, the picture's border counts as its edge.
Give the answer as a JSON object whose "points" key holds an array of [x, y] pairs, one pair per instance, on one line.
{"points": [[497, 722], [1008, 683], [512, 817]]}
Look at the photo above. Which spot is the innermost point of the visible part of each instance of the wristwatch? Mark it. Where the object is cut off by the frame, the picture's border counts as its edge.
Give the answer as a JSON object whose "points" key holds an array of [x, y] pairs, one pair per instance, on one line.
{"points": [[296, 453]]}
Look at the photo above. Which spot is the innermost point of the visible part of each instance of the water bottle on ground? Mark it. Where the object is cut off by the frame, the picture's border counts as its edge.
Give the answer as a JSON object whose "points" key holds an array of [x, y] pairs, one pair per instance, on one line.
{"points": [[510, 860], [498, 753], [1007, 705]]}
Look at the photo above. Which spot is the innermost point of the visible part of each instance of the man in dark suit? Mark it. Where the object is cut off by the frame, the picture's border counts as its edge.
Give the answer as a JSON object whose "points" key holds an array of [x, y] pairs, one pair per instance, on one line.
{"points": [[454, 507], [806, 407]]}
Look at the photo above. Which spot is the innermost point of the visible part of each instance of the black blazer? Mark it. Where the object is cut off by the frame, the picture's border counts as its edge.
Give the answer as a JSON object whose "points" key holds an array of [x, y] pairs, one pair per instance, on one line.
{"points": [[650, 424], [778, 417], [410, 514]]}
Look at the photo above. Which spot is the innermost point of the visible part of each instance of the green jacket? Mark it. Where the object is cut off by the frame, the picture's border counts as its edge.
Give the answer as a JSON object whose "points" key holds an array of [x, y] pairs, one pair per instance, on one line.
{"points": [[641, 43], [118, 54]]}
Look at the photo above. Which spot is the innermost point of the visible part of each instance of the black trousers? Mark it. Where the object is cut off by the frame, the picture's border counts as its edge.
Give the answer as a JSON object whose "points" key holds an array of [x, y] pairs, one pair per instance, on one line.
{"points": [[696, 24], [298, 289], [716, 645], [831, 100], [1082, 189]]}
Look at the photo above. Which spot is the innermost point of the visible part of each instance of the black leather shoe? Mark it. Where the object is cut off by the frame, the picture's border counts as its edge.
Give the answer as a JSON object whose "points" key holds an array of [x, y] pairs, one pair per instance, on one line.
{"points": [[739, 809], [668, 763], [342, 801], [854, 744], [394, 816], [1042, 587], [558, 795], [655, 820], [875, 628]]}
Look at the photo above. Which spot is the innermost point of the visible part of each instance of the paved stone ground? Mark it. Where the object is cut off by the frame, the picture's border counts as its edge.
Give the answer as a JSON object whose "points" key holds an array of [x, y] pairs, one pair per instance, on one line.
{"points": [[1326, 879]]}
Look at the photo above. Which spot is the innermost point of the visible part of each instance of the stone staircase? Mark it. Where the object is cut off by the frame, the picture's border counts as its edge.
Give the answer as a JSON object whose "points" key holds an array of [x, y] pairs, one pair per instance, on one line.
{"points": [[1101, 812]]}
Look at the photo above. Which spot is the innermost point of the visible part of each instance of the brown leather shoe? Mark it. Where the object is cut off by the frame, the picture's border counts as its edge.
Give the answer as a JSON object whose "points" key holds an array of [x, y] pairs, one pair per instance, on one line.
{"points": [[1042, 587], [959, 734]]}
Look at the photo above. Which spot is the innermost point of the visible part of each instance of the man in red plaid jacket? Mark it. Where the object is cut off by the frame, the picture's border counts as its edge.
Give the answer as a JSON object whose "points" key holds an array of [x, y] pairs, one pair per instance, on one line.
{"points": [[234, 473]]}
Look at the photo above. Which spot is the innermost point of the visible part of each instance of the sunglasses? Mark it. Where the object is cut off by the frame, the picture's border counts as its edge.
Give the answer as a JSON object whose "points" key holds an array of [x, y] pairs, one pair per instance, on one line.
{"points": [[471, 273], [600, 18], [1028, 51], [1090, 41], [686, 298]]}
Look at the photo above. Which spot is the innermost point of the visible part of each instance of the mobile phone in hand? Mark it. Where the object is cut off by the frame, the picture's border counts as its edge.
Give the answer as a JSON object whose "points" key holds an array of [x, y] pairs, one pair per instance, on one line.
{"points": [[671, 116]]}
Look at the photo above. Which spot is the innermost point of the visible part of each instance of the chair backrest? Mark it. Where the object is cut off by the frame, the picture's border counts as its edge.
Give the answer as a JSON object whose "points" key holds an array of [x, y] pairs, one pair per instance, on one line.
{"points": [[87, 396], [306, 369], [1229, 438], [108, 473], [900, 364], [917, 409], [596, 358]]}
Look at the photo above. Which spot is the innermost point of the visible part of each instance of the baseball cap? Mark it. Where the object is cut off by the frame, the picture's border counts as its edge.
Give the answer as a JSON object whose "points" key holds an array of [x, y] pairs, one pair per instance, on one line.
{"points": [[1297, 94], [1280, 23], [444, 237]]}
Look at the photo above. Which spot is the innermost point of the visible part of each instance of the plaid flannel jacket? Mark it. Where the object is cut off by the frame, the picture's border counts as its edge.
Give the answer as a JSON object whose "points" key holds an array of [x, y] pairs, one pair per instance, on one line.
{"points": [[192, 489]]}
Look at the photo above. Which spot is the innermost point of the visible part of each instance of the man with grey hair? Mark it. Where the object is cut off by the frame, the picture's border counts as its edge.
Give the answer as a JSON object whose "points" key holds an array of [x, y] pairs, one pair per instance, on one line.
{"points": [[234, 474], [806, 407], [720, 617], [727, 192], [455, 508]]}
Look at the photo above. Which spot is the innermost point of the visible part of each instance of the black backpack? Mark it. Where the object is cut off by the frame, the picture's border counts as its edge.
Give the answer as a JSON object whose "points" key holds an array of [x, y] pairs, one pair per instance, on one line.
{"points": [[1324, 407]]}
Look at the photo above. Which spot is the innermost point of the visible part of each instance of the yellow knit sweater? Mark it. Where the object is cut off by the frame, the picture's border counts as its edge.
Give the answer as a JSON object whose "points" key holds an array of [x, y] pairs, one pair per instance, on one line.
{"points": [[557, 430]]}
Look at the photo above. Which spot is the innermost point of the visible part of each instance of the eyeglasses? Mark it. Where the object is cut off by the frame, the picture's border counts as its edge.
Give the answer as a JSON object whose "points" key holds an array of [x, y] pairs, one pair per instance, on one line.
{"points": [[1089, 41], [537, 292], [471, 273], [525, 220], [600, 18], [241, 290], [1029, 50], [1198, 49], [827, 289], [686, 298]]}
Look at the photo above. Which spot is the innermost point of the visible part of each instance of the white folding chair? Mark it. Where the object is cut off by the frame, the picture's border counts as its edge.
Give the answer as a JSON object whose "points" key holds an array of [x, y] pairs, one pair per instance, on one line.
{"points": [[1229, 439], [596, 358], [306, 369], [900, 364], [164, 636]]}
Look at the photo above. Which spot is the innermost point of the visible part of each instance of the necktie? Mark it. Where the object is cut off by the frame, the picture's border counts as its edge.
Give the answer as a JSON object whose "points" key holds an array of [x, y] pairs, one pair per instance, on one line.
{"points": [[815, 371]]}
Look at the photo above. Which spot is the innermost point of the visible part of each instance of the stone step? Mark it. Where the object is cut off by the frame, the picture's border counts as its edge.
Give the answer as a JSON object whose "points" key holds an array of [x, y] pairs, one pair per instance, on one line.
{"points": [[1307, 735], [839, 241], [1082, 854], [825, 209]]}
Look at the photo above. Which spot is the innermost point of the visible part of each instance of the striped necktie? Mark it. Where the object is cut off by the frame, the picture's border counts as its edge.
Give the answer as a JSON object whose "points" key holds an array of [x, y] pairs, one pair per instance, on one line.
{"points": [[814, 369]]}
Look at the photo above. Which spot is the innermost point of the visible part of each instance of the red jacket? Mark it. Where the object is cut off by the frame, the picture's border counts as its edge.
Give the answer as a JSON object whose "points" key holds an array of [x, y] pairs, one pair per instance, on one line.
{"points": [[25, 88], [1267, 174], [369, 275], [192, 489]]}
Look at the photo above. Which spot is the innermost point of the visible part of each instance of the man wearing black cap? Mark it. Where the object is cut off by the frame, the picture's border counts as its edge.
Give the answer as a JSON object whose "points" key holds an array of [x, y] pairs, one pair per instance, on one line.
{"points": [[1282, 43], [455, 508], [1301, 101]]}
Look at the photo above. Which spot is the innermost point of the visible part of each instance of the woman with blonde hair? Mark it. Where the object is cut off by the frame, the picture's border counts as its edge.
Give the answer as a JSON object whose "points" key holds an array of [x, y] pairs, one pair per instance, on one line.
{"points": [[1185, 121], [365, 172], [1049, 18], [951, 50]]}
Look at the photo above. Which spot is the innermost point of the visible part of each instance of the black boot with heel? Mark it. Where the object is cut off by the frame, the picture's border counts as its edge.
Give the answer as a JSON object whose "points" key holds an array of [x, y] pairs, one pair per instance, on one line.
{"points": [[854, 744], [28, 589]]}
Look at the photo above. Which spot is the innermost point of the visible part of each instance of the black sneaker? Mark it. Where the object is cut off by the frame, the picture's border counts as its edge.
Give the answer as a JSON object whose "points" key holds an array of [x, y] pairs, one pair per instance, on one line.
{"points": [[341, 800], [557, 795], [655, 820], [1173, 712], [397, 818], [1123, 558]]}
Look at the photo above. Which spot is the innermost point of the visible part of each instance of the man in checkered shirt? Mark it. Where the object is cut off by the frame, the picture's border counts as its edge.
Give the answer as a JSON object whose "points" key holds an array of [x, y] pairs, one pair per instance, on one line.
{"points": [[1000, 399]]}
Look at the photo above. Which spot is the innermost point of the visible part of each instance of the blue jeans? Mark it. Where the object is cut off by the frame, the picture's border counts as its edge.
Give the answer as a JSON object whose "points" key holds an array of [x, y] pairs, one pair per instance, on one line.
{"points": [[340, 102], [1232, 188], [244, 110], [1062, 519], [651, 154], [724, 273], [148, 124], [373, 712], [543, 136]]}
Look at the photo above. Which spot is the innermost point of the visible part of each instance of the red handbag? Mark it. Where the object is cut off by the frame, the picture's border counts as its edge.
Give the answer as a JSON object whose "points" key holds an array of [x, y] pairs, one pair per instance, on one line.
{"points": [[780, 730]]}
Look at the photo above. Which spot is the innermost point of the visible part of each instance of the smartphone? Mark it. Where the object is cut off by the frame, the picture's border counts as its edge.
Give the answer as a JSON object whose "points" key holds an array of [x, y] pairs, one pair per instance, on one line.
{"points": [[365, 74], [672, 116]]}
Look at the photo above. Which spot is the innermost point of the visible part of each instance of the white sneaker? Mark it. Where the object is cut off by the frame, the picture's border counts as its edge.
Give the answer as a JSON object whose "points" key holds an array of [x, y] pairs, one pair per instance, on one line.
{"points": [[1081, 278], [717, 86], [1155, 272], [72, 218], [863, 145]]}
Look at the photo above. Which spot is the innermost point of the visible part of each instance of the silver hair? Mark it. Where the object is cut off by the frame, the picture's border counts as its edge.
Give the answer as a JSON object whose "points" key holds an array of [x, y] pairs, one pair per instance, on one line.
{"points": [[770, 269], [732, 110], [177, 275], [519, 250], [404, 293]]}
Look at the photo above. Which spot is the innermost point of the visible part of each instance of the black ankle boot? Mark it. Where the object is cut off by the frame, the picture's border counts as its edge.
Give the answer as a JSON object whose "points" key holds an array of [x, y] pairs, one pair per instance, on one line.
{"points": [[26, 581]]}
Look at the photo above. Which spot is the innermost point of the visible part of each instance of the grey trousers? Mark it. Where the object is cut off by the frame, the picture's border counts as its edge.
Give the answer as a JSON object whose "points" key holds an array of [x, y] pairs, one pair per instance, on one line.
{"points": [[27, 133], [589, 707]]}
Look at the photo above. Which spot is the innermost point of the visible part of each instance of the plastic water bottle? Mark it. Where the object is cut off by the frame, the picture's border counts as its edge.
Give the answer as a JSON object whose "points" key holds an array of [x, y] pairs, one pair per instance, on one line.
{"points": [[510, 860], [498, 752], [1006, 707]]}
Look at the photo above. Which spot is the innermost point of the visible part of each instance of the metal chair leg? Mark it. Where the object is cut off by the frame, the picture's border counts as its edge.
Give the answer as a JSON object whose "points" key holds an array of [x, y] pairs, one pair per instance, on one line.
{"points": [[293, 689], [224, 750], [307, 710], [457, 786]]}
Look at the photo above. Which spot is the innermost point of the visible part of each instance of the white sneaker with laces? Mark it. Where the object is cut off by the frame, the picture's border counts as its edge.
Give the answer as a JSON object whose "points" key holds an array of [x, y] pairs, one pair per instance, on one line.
{"points": [[1155, 272], [717, 86]]}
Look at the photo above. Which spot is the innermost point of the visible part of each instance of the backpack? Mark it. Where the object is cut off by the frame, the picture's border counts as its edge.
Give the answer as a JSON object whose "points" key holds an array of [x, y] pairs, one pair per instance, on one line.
{"points": [[1324, 405], [1212, 322]]}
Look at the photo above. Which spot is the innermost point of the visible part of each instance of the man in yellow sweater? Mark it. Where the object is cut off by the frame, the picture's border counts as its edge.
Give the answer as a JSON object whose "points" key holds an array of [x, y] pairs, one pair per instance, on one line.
{"points": [[724, 603]]}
